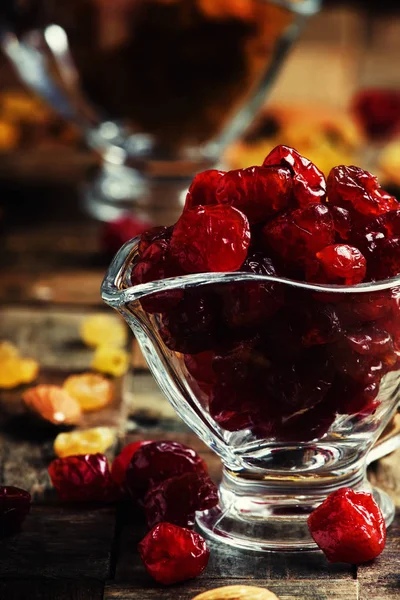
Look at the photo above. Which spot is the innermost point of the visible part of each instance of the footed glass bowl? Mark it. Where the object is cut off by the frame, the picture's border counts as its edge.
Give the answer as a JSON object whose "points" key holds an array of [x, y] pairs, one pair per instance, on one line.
{"points": [[289, 383]]}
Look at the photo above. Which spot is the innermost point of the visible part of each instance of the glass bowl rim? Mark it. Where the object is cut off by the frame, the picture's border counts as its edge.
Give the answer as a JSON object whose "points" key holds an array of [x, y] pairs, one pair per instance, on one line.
{"points": [[115, 295]]}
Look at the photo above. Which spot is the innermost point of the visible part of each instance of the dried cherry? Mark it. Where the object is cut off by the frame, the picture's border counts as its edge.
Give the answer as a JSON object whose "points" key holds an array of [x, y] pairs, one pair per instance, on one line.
{"points": [[172, 554], [176, 499], [202, 191], [211, 238], [309, 183], [348, 527], [339, 263], [258, 192]]}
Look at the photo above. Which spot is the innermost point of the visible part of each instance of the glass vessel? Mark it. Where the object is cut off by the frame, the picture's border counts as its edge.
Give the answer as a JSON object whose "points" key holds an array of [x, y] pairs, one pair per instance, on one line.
{"points": [[160, 87], [289, 383]]}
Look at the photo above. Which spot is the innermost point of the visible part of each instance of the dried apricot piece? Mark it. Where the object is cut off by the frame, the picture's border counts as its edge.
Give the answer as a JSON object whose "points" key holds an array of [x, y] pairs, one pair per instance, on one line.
{"points": [[111, 361], [8, 350], [53, 404], [99, 329], [90, 390], [88, 441]]}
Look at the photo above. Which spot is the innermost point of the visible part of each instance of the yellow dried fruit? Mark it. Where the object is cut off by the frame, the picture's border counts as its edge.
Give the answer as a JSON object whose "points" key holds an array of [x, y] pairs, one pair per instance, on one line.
{"points": [[8, 350], [53, 404], [91, 390], [237, 592], [109, 360], [29, 370], [88, 441], [14, 370], [104, 330]]}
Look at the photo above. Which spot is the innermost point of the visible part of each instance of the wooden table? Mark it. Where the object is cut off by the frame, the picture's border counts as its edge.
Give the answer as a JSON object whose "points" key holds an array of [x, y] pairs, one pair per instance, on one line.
{"points": [[50, 271]]}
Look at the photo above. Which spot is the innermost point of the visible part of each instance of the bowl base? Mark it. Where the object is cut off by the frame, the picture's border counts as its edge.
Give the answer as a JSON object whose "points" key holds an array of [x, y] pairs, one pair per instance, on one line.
{"points": [[281, 528]]}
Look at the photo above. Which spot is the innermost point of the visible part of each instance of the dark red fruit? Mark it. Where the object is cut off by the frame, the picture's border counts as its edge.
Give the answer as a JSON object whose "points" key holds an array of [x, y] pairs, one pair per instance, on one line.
{"points": [[388, 224], [318, 324], [234, 407], [350, 397], [83, 478], [154, 235], [193, 325], [348, 527], [122, 461], [15, 505], [342, 221], [250, 303], [379, 111], [361, 308], [309, 183], [370, 341], [354, 188], [383, 256], [172, 554], [211, 238], [158, 461], [297, 236], [116, 233], [258, 192], [200, 366], [156, 263], [340, 264], [176, 499], [202, 191]]}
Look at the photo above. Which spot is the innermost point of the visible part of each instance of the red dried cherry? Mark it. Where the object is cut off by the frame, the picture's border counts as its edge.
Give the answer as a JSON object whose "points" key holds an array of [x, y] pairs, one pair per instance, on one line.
{"points": [[211, 238], [121, 462], [309, 183], [354, 188], [250, 303], [298, 235], [202, 191], [176, 499], [383, 256], [193, 325], [200, 366], [83, 478], [153, 235], [258, 192], [342, 221], [370, 341], [348, 527], [156, 263], [339, 263], [158, 461], [15, 505], [172, 554]]}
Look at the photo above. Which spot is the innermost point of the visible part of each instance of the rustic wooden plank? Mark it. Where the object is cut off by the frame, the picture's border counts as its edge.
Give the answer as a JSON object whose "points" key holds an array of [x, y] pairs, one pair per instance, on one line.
{"points": [[61, 542], [380, 579], [286, 590], [50, 589]]}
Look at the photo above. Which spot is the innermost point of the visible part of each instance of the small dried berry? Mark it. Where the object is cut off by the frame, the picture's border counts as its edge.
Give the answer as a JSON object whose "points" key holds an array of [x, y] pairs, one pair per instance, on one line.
{"points": [[378, 111], [383, 256], [86, 441], [176, 499], [339, 263], [121, 462], [91, 391], [15, 505], [348, 527], [157, 461], [309, 183], [52, 404], [102, 329], [342, 221], [354, 188], [202, 191], [370, 341], [111, 361], [297, 236], [153, 235], [193, 325], [15, 370], [83, 478], [172, 554], [200, 366], [258, 192], [211, 238]]}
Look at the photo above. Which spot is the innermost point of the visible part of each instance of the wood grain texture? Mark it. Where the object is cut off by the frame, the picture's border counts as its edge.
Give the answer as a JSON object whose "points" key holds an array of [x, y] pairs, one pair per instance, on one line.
{"points": [[50, 589], [286, 590], [61, 542]]}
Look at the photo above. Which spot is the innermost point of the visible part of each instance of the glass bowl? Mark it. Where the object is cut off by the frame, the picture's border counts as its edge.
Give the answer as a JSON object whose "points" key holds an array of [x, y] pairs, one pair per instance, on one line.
{"points": [[289, 383]]}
